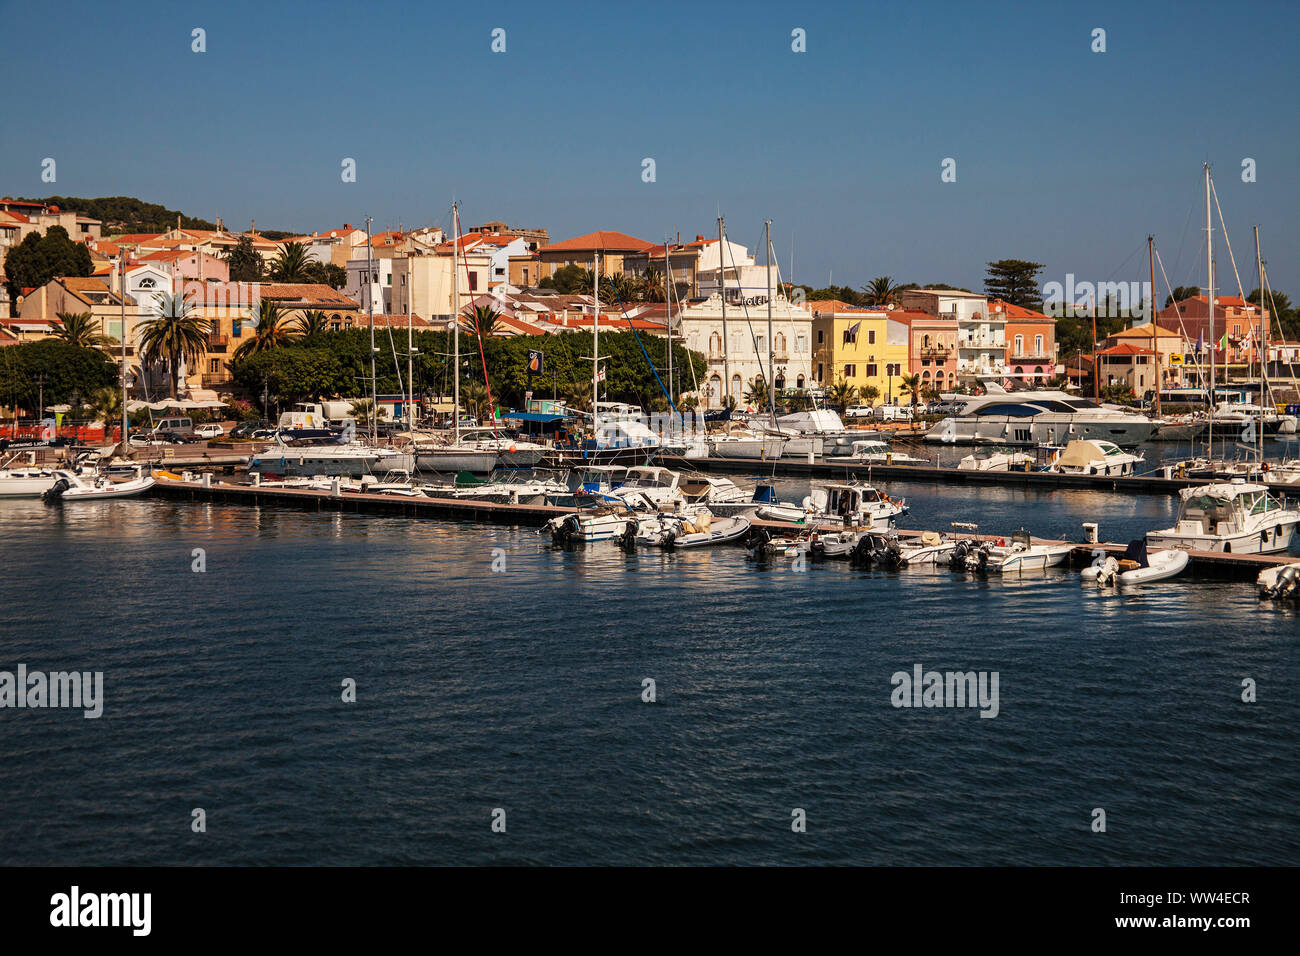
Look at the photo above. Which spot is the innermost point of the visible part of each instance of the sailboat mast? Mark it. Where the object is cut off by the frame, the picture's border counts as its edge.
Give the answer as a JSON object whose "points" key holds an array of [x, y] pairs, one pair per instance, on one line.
{"points": [[595, 340], [668, 319], [1209, 271], [370, 308], [722, 291], [771, 343], [410, 355], [121, 294], [1261, 345], [455, 316], [1155, 339]]}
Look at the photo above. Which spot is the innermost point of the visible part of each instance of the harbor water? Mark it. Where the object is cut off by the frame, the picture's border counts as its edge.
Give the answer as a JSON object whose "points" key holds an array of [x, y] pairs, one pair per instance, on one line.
{"points": [[494, 672]]}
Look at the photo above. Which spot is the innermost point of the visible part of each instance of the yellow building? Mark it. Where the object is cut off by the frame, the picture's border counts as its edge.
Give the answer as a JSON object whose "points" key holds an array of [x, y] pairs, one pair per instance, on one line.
{"points": [[864, 347]]}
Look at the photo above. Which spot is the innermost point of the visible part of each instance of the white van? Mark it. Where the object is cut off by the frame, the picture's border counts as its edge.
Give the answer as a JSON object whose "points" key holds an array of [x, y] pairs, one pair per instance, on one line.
{"points": [[179, 426], [893, 413]]}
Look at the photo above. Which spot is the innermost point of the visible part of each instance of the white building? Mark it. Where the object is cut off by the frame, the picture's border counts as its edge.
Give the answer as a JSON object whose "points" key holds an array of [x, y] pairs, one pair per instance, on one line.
{"points": [[379, 285], [981, 334], [743, 355]]}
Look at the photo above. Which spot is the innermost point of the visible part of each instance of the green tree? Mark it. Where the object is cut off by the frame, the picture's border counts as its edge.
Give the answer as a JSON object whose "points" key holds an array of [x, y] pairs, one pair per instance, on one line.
{"points": [[1281, 314], [270, 331], [911, 385], [80, 329], [1181, 293], [311, 322], [173, 334], [107, 402], [291, 263], [842, 393], [881, 291], [869, 393], [756, 392], [65, 370], [569, 280], [484, 319], [1015, 281], [38, 259], [244, 261]]}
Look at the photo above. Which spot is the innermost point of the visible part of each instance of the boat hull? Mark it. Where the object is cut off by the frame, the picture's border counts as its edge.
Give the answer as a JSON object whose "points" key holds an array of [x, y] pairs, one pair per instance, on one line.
{"points": [[1270, 540]]}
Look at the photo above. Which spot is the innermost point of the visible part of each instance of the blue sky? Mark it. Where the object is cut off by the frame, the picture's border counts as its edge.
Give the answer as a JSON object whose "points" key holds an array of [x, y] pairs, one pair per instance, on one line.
{"points": [[1063, 155]]}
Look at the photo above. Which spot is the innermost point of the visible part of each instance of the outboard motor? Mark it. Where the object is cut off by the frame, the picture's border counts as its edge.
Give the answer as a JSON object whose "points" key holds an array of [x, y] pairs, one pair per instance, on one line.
{"points": [[957, 559], [627, 540], [757, 540], [1286, 582], [977, 558], [54, 494], [563, 529], [1108, 572], [861, 553]]}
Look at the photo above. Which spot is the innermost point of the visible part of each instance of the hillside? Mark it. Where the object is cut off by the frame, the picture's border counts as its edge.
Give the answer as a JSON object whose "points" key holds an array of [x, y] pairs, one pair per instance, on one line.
{"points": [[128, 214]]}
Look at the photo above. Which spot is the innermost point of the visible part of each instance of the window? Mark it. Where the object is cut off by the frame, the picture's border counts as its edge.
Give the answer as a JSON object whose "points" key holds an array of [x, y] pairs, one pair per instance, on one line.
{"points": [[851, 370], [214, 366], [821, 337], [872, 370], [871, 336], [1038, 345], [801, 344], [780, 343], [1020, 345], [893, 369], [820, 370], [762, 344], [390, 278], [473, 282]]}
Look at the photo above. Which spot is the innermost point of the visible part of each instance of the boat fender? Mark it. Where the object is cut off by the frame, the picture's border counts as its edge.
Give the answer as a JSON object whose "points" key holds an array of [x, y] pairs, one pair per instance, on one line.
{"points": [[1002, 542]]}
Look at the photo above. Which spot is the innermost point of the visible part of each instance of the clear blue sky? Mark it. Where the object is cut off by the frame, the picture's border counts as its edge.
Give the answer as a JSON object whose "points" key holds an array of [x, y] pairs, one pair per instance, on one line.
{"points": [[1063, 155]]}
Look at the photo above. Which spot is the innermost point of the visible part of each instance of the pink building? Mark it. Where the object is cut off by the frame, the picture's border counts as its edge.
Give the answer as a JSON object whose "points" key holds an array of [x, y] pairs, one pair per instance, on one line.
{"points": [[932, 348]]}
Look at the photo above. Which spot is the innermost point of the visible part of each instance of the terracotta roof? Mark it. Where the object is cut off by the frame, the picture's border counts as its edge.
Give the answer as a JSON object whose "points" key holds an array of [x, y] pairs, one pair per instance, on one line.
{"points": [[605, 240], [137, 237], [167, 255], [1125, 348], [307, 293], [397, 320], [1018, 312], [835, 306], [1144, 332]]}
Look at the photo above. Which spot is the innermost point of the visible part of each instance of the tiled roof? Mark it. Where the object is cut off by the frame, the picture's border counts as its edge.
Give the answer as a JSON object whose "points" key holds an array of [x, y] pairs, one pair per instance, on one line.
{"points": [[307, 293], [605, 240], [1018, 312]]}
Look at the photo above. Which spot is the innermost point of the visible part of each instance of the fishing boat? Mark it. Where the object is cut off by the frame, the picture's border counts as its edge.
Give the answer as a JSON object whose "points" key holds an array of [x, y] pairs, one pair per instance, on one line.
{"points": [[1095, 457], [646, 483], [872, 451], [1234, 517], [74, 487], [748, 444], [716, 492], [1020, 554], [1138, 566]]}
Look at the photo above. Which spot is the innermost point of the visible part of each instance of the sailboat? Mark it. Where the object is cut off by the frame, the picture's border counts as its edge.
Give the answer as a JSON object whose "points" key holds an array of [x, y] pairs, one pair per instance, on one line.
{"points": [[458, 455]]}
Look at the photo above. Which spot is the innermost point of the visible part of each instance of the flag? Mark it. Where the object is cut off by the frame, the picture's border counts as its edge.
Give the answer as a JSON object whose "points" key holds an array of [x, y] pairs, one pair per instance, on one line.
{"points": [[600, 376], [1223, 343], [1200, 342], [536, 363], [851, 333]]}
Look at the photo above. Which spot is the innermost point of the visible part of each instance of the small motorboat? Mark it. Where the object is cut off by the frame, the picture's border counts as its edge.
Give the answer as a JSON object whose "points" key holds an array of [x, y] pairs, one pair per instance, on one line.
{"points": [[704, 529], [71, 487], [1020, 554], [1136, 567], [931, 549], [1280, 581]]}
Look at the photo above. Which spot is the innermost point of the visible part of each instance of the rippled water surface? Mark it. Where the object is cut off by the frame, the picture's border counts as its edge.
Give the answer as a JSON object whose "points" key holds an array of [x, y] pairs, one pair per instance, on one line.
{"points": [[522, 690]]}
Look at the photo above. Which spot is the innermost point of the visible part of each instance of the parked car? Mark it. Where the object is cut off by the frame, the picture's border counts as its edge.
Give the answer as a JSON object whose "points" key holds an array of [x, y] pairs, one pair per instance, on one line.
{"points": [[945, 408], [210, 430], [249, 429], [858, 411]]}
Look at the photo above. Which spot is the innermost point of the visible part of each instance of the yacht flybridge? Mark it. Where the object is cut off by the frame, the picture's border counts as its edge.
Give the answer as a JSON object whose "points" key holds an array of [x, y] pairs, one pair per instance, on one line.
{"points": [[1041, 416]]}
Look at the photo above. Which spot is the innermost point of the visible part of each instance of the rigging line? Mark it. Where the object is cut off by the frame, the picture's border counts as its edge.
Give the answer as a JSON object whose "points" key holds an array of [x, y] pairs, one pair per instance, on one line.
{"points": [[478, 334], [1182, 238], [1224, 226], [750, 325], [654, 371], [1200, 372]]}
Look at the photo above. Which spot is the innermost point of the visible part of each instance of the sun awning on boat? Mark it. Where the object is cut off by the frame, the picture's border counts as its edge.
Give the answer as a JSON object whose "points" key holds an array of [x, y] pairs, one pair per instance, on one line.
{"points": [[1079, 454]]}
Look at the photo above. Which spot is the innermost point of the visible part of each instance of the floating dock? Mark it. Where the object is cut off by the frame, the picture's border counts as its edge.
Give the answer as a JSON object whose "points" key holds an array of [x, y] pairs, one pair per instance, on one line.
{"points": [[1241, 567], [823, 470]]}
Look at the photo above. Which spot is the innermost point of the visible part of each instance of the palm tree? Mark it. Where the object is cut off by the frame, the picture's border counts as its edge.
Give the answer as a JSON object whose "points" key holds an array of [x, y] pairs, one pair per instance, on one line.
{"points": [[80, 329], [174, 334], [475, 396], [360, 410], [869, 393], [651, 287], [756, 392], [484, 318], [911, 385], [311, 322], [270, 332], [291, 263], [108, 402], [881, 291], [842, 393]]}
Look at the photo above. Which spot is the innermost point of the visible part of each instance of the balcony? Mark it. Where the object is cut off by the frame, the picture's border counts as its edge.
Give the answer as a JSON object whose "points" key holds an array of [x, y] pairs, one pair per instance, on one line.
{"points": [[781, 356], [937, 354], [215, 378], [217, 339], [716, 358], [1031, 357]]}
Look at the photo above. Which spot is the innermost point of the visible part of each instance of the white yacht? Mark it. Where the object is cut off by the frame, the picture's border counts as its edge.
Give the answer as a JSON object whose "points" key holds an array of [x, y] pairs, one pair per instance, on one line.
{"points": [[840, 503], [1234, 517], [32, 481], [353, 458], [1041, 416], [747, 444], [1095, 457], [1020, 554], [873, 451], [94, 487]]}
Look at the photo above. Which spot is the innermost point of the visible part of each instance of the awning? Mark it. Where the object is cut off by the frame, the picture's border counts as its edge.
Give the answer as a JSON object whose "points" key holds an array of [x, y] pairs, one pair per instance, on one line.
{"points": [[533, 417]]}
